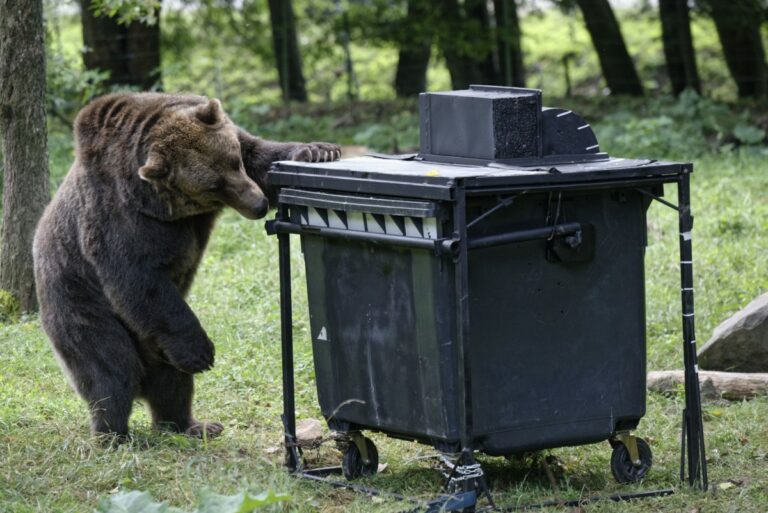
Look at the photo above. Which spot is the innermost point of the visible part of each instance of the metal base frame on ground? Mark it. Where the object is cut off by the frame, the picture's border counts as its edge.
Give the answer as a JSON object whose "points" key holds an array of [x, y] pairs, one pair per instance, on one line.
{"points": [[466, 491]]}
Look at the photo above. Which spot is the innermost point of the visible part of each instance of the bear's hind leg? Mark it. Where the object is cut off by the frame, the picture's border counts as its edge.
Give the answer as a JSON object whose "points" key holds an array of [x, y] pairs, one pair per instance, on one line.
{"points": [[100, 360], [110, 412], [168, 393]]}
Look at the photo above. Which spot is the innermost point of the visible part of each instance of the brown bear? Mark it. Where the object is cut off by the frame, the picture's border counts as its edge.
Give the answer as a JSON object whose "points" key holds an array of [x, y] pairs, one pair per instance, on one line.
{"points": [[116, 250]]}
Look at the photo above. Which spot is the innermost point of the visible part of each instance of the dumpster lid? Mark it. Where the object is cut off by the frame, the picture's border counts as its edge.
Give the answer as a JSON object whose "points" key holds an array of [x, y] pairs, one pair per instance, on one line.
{"points": [[435, 180]]}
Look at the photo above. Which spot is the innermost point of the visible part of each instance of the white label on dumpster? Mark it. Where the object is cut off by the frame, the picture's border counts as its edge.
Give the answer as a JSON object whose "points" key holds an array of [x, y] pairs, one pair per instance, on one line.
{"points": [[323, 335], [430, 228]]}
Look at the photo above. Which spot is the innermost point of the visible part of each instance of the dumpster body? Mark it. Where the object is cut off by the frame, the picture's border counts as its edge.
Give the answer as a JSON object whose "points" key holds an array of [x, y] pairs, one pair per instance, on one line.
{"points": [[557, 342], [486, 294]]}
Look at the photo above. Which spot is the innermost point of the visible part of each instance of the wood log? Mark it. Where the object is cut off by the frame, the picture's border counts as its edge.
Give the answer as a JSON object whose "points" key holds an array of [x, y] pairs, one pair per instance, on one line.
{"points": [[733, 386]]}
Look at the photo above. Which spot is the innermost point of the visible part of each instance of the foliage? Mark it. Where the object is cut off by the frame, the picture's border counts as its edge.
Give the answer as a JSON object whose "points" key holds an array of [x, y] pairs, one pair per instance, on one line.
{"points": [[688, 127], [127, 11], [223, 48], [10, 309], [141, 502], [70, 86]]}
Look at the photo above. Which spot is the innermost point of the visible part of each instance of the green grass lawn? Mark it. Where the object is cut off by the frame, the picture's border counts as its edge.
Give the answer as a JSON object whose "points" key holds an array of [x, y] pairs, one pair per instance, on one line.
{"points": [[48, 462]]}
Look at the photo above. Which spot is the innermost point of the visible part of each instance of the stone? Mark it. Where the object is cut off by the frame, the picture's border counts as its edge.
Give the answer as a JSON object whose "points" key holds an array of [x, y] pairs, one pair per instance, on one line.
{"points": [[309, 431], [740, 343]]}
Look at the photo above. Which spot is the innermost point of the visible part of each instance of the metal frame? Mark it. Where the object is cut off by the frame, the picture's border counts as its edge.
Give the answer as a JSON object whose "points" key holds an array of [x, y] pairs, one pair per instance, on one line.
{"points": [[693, 427], [467, 492]]}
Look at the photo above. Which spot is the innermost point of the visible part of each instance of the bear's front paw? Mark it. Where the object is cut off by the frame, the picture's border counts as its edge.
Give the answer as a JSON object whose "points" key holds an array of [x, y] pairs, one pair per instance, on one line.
{"points": [[315, 152], [204, 429], [197, 357]]}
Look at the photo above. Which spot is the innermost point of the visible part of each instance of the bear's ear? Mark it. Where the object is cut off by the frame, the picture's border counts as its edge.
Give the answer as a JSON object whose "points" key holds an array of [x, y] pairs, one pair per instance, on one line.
{"points": [[210, 113], [154, 169]]}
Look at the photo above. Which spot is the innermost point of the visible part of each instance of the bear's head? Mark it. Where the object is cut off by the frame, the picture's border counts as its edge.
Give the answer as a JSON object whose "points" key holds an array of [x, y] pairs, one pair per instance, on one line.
{"points": [[194, 158]]}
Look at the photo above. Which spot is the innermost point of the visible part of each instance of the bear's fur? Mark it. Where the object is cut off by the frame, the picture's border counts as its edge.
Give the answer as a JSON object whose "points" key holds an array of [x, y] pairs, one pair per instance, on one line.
{"points": [[116, 250]]}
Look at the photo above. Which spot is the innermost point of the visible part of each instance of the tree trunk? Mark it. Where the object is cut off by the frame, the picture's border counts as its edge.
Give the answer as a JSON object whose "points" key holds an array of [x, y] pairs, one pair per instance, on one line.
{"points": [[618, 68], [465, 39], [415, 51], [738, 26], [130, 53], [480, 35], [286, 49], [25, 150], [678, 45], [509, 39]]}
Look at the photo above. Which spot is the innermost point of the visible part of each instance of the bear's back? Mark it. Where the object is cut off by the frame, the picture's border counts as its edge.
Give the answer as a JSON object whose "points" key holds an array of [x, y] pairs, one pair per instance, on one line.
{"points": [[114, 130]]}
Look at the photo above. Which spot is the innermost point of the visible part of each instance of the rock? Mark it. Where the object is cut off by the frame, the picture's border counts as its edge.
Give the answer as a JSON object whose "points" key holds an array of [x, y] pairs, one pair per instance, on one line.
{"points": [[309, 431], [740, 344]]}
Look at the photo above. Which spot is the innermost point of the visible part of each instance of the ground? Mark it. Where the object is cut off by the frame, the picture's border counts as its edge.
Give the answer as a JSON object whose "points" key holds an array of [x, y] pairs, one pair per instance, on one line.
{"points": [[48, 462]]}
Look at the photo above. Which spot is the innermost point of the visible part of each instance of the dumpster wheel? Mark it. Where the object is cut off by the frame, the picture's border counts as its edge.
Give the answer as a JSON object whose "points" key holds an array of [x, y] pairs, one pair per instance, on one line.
{"points": [[624, 470], [354, 465]]}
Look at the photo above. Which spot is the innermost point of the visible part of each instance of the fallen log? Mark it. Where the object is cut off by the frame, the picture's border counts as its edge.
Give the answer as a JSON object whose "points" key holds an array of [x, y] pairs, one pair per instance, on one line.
{"points": [[733, 386]]}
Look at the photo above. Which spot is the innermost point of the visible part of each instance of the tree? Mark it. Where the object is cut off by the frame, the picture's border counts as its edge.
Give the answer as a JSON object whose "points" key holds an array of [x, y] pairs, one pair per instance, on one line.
{"points": [[678, 45], [618, 69], [509, 43], [25, 153], [129, 49], [286, 48], [738, 25], [467, 42], [415, 50]]}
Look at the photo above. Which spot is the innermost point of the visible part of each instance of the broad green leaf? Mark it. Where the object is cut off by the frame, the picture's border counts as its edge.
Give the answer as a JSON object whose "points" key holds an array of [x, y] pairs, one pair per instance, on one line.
{"points": [[749, 134], [133, 502], [263, 499], [211, 502]]}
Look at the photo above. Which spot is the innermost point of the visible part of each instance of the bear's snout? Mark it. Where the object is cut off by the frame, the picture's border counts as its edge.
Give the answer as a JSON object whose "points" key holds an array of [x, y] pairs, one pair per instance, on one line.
{"points": [[248, 199], [255, 210]]}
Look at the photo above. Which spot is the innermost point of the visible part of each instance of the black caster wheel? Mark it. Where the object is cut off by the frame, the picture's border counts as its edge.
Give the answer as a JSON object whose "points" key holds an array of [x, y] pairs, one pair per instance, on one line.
{"points": [[353, 465], [624, 471]]}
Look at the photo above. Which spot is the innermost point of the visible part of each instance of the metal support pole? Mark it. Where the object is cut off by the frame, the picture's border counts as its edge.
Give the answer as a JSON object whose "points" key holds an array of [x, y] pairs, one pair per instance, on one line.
{"points": [[467, 474], [461, 278], [292, 459], [693, 427]]}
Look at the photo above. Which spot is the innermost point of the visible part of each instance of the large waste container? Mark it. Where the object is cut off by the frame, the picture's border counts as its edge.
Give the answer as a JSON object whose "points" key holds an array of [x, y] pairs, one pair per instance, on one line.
{"points": [[484, 295]]}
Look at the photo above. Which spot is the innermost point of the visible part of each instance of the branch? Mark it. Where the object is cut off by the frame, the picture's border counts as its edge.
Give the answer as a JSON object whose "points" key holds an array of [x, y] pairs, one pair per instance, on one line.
{"points": [[733, 386]]}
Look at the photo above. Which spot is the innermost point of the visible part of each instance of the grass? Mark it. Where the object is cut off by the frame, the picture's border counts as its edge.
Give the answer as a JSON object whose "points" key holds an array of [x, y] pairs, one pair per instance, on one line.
{"points": [[49, 463]]}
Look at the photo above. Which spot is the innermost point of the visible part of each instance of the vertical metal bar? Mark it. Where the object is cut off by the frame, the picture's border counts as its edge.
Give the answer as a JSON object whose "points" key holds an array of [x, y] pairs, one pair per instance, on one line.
{"points": [[286, 336], [461, 278], [697, 471]]}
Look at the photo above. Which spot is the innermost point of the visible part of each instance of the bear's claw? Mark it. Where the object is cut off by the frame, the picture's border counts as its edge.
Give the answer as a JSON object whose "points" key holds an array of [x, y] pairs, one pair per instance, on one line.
{"points": [[204, 429], [194, 358], [316, 152]]}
